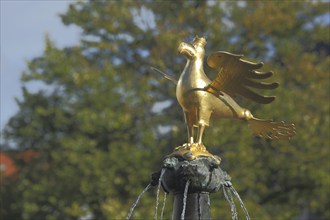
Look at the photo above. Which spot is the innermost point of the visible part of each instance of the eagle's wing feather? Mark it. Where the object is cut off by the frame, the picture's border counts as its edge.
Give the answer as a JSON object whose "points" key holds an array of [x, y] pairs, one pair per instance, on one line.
{"points": [[238, 77]]}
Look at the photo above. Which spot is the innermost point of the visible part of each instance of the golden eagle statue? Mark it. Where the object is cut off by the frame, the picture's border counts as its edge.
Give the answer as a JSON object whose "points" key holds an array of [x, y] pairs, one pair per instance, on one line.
{"points": [[202, 98]]}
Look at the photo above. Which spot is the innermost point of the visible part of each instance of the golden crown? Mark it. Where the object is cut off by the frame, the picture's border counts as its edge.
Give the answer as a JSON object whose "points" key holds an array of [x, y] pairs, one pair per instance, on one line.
{"points": [[199, 41]]}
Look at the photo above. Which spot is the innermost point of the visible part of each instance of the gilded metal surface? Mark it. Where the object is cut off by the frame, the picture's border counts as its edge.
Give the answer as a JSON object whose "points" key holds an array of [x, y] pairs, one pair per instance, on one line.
{"points": [[191, 151], [201, 98]]}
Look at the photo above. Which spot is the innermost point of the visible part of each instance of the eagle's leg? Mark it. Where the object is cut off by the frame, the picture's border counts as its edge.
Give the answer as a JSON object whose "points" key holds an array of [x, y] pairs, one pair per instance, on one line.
{"points": [[201, 129], [190, 127], [204, 115], [190, 134]]}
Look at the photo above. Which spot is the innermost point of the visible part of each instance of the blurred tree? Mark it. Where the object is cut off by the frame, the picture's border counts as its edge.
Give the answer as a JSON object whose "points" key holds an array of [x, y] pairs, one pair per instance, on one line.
{"points": [[105, 121]]}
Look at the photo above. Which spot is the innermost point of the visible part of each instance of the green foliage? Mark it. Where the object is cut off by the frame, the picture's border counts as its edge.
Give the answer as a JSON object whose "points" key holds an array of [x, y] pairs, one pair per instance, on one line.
{"points": [[100, 137]]}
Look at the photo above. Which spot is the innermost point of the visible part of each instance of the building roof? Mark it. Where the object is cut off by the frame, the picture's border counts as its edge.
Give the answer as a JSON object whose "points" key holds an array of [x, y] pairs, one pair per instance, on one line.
{"points": [[7, 165]]}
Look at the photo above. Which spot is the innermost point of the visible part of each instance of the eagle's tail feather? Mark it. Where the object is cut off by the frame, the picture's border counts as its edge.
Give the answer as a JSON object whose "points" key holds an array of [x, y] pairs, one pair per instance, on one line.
{"points": [[270, 129]]}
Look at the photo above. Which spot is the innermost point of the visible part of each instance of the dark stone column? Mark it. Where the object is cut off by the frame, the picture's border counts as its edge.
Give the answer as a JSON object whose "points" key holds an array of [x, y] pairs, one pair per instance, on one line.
{"points": [[197, 206]]}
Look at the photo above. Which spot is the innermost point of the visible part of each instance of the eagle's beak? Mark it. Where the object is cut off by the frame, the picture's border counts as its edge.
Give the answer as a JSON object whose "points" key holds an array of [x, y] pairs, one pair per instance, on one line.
{"points": [[187, 50]]}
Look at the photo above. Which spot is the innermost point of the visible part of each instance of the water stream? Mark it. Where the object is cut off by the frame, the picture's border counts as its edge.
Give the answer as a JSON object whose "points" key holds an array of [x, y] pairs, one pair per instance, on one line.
{"points": [[185, 200], [240, 202], [231, 202], [136, 202], [163, 208], [158, 189], [228, 191]]}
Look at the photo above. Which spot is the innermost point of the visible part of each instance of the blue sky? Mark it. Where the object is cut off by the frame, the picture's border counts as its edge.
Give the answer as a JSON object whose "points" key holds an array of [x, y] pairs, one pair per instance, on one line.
{"points": [[24, 25]]}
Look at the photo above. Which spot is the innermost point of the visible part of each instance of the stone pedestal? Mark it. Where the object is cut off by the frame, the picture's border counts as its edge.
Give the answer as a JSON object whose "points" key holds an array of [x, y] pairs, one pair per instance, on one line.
{"points": [[205, 177]]}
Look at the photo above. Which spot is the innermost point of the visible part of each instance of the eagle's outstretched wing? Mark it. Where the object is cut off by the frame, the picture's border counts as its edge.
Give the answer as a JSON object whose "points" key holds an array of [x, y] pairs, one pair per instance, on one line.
{"points": [[237, 76]]}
